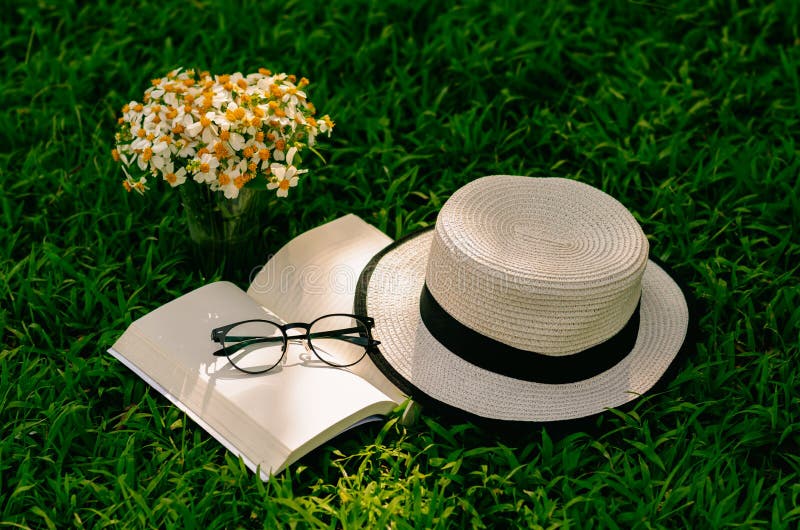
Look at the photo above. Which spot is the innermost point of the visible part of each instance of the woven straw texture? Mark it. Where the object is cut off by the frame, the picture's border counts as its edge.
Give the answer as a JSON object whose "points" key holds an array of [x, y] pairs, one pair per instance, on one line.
{"points": [[580, 285], [548, 265]]}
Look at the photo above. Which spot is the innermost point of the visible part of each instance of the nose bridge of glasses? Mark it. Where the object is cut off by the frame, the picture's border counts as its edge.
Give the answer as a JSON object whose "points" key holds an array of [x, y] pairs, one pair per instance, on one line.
{"points": [[296, 325]]}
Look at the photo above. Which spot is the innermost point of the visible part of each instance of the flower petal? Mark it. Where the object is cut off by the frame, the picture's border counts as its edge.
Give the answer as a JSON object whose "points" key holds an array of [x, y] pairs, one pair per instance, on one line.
{"points": [[290, 155]]}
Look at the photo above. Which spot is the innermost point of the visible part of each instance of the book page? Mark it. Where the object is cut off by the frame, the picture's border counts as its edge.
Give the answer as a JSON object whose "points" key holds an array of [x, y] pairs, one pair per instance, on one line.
{"points": [[316, 274], [266, 418]]}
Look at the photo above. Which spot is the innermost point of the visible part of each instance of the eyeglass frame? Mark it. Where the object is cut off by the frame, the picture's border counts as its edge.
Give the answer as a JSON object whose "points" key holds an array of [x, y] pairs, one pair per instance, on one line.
{"points": [[219, 334]]}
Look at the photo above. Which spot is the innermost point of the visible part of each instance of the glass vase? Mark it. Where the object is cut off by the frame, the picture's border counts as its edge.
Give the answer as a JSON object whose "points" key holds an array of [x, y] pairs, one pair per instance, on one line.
{"points": [[228, 235]]}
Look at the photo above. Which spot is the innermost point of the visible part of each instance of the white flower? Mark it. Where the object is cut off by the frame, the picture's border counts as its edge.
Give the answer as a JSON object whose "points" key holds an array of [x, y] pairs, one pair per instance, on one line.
{"points": [[161, 144], [143, 159], [184, 149], [279, 154], [237, 141], [220, 119], [177, 178], [223, 130], [160, 162], [194, 128], [183, 118], [325, 125], [171, 99], [227, 183], [207, 169], [293, 98], [210, 132], [221, 96], [284, 178], [140, 144], [134, 112]]}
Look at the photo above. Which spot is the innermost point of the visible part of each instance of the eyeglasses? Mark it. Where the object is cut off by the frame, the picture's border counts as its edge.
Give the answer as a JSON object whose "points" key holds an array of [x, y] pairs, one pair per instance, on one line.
{"points": [[258, 346]]}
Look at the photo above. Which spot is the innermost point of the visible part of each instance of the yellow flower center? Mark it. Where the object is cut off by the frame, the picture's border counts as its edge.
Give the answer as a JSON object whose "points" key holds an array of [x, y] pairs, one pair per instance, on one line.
{"points": [[220, 151]]}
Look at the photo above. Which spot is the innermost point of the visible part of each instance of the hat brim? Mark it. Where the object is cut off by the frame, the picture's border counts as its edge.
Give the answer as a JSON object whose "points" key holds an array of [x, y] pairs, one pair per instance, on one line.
{"points": [[389, 291]]}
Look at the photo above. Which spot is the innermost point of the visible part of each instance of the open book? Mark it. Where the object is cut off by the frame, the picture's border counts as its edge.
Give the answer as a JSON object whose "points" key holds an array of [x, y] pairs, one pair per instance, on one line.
{"points": [[269, 420]]}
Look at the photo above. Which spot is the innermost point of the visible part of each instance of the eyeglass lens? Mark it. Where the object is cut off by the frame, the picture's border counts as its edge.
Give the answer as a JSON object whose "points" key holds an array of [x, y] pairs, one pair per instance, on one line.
{"points": [[254, 347], [339, 340]]}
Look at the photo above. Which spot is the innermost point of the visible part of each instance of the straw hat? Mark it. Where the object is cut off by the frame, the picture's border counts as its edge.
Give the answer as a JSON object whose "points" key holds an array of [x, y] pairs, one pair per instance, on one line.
{"points": [[532, 299]]}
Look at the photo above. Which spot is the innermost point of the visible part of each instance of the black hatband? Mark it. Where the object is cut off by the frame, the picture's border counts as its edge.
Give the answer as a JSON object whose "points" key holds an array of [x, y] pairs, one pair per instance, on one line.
{"points": [[500, 358]]}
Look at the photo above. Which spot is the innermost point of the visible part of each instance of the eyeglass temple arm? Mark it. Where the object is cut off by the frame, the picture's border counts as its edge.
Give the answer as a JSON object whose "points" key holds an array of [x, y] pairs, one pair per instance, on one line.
{"points": [[340, 334], [242, 343]]}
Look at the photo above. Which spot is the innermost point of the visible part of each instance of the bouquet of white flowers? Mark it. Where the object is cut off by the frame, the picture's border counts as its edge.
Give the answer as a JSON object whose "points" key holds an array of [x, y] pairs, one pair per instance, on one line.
{"points": [[223, 131]]}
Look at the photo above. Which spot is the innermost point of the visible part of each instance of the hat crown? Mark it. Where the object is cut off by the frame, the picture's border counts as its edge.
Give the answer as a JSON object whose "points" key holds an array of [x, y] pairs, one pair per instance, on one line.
{"points": [[547, 265]]}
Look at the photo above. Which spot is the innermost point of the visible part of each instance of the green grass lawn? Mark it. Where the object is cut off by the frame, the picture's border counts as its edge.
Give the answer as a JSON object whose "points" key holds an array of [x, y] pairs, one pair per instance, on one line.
{"points": [[687, 112]]}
